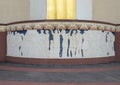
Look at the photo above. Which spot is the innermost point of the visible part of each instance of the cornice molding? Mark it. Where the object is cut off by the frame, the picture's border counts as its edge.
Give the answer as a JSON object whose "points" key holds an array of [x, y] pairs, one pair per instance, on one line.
{"points": [[60, 24]]}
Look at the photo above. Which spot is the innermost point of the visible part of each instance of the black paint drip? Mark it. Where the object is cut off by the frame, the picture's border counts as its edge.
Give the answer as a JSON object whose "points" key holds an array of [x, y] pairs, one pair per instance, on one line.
{"points": [[82, 52], [22, 32], [50, 38], [19, 48], [107, 37], [39, 31], [82, 32], [61, 48], [68, 48]]}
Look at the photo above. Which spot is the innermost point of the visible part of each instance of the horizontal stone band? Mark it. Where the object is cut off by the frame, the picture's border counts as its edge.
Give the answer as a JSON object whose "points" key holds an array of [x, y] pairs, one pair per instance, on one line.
{"points": [[60, 25]]}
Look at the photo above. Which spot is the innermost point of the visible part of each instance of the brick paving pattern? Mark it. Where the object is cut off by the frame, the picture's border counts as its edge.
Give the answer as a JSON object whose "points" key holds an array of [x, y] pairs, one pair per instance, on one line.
{"points": [[20, 74]]}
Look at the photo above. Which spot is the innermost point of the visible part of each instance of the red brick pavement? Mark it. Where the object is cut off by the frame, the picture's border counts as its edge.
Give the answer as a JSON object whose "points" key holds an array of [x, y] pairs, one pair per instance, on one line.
{"points": [[54, 83], [12, 68]]}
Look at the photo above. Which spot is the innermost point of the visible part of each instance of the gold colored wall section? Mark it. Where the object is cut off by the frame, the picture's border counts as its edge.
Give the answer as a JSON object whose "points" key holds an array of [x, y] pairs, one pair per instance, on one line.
{"points": [[61, 9], [71, 9], [14, 10], [51, 9]]}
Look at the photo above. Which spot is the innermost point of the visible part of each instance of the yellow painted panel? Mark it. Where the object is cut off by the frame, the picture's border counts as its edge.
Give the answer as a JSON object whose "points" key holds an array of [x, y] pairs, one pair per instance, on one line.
{"points": [[71, 9], [51, 9], [61, 9]]}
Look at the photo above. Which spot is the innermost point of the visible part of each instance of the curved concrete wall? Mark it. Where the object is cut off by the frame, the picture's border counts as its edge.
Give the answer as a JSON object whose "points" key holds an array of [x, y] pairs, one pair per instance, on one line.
{"points": [[60, 40], [63, 42], [60, 44]]}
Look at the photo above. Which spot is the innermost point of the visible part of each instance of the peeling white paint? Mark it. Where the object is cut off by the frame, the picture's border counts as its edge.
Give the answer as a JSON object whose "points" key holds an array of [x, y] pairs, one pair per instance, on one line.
{"points": [[49, 44]]}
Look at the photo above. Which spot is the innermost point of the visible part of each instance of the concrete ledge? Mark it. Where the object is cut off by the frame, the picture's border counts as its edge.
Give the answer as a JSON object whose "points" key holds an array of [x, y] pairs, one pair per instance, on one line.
{"points": [[60, 24], [61, 61]]}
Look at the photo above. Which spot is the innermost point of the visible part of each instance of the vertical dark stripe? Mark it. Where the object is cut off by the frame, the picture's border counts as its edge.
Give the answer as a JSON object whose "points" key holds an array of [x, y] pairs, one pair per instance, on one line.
{"points": [[61, 48], [82, 52], [39, 31], [21, 54], [50, 38], [19, 48], [68, 47], [71, 53]]}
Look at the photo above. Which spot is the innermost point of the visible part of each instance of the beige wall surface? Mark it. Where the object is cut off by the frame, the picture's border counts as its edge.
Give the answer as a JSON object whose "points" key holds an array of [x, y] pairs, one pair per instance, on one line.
{"points": [[18, 10], [106, 10], [14, 10], [118, 12]]}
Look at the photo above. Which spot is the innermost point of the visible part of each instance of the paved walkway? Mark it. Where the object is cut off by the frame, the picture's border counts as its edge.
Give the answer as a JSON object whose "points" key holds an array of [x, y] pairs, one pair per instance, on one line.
{"points": [[20, 74]]}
